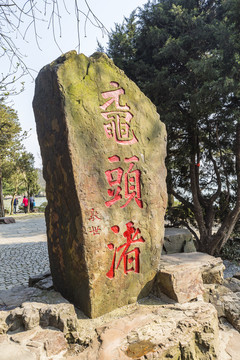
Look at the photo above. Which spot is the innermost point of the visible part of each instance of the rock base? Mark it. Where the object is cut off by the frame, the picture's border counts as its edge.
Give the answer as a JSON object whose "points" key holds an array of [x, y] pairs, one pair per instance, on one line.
{"points": [[226, 299], [40, 324]]}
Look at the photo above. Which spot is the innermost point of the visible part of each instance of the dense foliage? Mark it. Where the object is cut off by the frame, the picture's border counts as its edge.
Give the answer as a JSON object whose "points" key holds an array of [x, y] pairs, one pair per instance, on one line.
{"points": [[184, 55], [17, 172]]}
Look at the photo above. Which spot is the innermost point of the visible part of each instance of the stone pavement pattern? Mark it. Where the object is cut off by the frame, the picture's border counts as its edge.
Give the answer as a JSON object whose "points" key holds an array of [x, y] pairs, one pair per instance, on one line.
{"points": [[23, 250]]}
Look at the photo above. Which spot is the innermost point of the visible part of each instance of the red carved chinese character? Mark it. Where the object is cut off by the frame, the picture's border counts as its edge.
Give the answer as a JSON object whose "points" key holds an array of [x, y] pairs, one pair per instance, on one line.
{"points": [[117, 124], [95, 230], [128, 256], [132, 183], [131, 179], [114, 97], [94, 215]]}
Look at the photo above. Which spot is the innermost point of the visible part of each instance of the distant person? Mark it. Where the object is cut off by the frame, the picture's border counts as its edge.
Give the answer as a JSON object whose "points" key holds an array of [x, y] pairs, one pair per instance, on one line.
{"points": [[15, 204], [31, 203], [25, 203]]}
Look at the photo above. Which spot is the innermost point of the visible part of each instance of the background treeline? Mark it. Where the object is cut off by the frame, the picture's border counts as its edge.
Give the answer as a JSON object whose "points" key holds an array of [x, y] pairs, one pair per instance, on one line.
{"points": [[17, 172]]}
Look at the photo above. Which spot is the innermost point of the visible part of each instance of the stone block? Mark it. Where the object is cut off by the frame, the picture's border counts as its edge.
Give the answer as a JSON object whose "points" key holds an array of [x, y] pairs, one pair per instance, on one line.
{"points": [[181, 283], [103, 148], [233, 284], [237, 275], [178, 240], [148, 329], [7, 220], [33, 279], [211, 267], [45, 284], [181, 276]]}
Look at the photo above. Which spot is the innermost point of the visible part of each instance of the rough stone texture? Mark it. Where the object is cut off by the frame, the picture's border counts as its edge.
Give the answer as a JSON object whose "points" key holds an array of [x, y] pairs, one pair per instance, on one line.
{"points": [[158, 332], [233, 284], [45, 284], [152, 327], [10, 299], [41, 281], [229, 344], [237, 275], [36, 278], [181, 276], [31, 315], [181, 282], [178, 240], [142, 331], [9, 351], [75, 148], [210, 267], [40, 344], [226, 299]]}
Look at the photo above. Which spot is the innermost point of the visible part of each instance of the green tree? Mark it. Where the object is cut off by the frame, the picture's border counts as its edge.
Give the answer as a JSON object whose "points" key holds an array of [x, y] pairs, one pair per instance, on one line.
{"points": [[184, 55], [19, 175], [30, 174], [13, 177], [10, 140]]}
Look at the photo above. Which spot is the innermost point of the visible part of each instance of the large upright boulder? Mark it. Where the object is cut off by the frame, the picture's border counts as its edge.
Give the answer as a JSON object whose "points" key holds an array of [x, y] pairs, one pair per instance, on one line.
{"points": [[103, 150]]}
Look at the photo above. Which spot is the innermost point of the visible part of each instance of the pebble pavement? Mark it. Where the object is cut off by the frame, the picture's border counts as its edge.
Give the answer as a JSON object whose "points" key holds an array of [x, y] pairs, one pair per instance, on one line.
{"points": [[23, 250]]}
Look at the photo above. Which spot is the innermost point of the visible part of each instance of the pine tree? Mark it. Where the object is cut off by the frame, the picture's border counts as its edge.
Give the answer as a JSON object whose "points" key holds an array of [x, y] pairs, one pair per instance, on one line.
{"points": [[184, 55]]}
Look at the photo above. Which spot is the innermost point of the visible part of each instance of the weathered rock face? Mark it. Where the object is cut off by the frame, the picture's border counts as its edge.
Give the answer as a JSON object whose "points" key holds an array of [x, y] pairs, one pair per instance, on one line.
{"points": [[226, 299], [178, 240], [103, 150], [181, 276], [158, 332], [181, 283], [47, 326]]}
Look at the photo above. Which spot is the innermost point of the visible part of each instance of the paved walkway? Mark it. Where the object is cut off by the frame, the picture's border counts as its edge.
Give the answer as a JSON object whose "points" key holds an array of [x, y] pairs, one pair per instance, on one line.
{"points": [[23, 250]]}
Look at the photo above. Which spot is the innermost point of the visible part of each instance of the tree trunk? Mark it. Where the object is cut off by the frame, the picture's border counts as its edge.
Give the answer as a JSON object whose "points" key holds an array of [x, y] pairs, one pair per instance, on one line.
{"points": [[2, 213], [28, 195], [170, 201], [206, 245], [212, 244], [12, 202]]}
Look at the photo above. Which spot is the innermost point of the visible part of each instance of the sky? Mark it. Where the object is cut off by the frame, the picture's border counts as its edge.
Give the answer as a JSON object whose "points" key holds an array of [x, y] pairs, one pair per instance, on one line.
{"points": [[109, 12]]}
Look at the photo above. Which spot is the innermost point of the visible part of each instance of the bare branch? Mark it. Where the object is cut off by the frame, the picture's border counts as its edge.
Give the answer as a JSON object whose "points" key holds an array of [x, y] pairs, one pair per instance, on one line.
{"points": [[184, 223], [219, 182], [17, 20], [182, 199]]}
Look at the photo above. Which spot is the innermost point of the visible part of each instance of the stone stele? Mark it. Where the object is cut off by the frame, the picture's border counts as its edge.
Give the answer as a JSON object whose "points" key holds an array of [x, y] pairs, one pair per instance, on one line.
{"points": [[103, 148]]}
